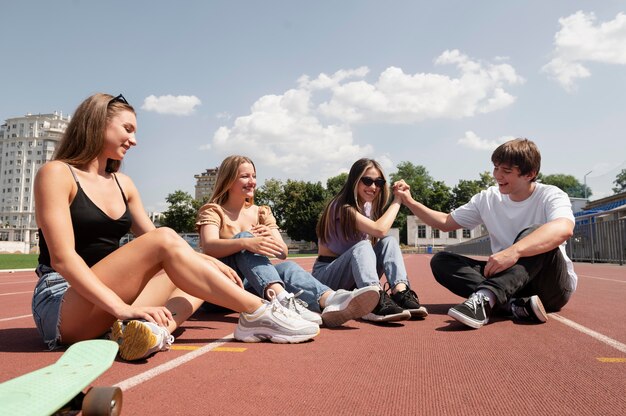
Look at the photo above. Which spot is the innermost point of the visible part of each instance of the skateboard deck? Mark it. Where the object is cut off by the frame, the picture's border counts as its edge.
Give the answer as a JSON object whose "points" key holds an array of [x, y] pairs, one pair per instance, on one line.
{"points": [[45, 391]]}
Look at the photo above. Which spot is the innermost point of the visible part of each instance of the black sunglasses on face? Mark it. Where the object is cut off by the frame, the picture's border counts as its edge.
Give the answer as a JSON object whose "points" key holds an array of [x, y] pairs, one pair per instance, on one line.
{"points": [[367, 181], [120, 99]]}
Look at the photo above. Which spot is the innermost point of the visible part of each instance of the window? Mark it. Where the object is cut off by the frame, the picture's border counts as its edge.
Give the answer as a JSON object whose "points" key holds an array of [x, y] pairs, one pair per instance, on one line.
{"points": [[435, 233], [452, 234], [467, 233], [421, 231]]}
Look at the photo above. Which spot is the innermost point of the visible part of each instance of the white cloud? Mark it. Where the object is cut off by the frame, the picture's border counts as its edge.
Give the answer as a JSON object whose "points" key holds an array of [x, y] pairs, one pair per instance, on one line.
{"points": [[472, 141], [581, 41], [307, 130], [180, 105]]}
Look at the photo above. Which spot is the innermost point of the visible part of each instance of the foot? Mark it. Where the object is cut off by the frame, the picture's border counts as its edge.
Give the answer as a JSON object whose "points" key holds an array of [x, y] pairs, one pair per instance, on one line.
{"points": [[138, 339], [294, 304], [275, 323], [474, 312], [408, 300], [528, 309], [387, 310], [345, 305]]}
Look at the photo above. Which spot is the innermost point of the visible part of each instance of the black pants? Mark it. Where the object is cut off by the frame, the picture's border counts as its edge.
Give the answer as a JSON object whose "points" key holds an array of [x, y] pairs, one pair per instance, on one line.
{"points": [[544, 275]]}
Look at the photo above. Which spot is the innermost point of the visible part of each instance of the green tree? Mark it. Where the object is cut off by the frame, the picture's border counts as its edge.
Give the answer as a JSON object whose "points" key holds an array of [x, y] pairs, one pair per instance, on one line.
{"points": [[334, 184], [620, 182], [567, 183], [271, 194], [301, 205], [440, 197], [466, 189], [181, 213]]}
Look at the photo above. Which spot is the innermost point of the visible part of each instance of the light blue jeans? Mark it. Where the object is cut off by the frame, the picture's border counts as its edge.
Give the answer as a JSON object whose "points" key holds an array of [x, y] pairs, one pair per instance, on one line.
{"points": [[362, 265], [258, 272], [46, 305]]}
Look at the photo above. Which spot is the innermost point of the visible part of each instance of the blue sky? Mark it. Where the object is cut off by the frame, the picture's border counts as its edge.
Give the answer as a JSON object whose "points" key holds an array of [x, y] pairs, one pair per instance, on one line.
{"points": [[306, 88]]}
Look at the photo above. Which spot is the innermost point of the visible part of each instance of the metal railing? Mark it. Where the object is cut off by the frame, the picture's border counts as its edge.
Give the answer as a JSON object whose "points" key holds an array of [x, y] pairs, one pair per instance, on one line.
{"points": [[598, 238]]}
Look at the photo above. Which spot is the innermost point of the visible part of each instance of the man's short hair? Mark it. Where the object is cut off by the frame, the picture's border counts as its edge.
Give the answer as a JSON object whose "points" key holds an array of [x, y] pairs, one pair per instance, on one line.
{"points": [[521, 153]]}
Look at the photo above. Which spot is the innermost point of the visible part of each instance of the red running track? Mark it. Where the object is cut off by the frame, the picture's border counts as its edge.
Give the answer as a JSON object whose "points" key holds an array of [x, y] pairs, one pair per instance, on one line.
{"points": [[575, 364]]}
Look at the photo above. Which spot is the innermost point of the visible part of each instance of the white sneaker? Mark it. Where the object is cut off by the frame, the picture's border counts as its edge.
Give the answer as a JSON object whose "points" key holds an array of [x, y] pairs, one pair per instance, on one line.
{"points": [[293, 303], [138, 339], [345, 305], [275, 323]]}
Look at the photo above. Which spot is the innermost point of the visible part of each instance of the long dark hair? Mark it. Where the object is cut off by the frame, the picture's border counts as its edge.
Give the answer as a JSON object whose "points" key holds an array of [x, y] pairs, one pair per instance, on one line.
{"points": [[346, 204]]}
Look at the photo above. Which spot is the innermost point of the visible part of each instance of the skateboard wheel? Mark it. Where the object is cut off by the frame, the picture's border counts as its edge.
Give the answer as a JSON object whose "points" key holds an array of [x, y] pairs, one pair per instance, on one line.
{"points": [[103, 401]]}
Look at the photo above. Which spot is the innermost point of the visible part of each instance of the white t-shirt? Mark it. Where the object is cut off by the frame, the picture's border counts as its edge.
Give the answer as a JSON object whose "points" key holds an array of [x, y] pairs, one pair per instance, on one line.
{"points": [[505, 219]]}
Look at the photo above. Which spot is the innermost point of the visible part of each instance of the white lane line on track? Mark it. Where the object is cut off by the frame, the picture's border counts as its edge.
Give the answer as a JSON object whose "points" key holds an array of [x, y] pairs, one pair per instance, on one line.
{"points": [[170, 365], [15, 293], [601, 278], [15, 317], [602, 338]]}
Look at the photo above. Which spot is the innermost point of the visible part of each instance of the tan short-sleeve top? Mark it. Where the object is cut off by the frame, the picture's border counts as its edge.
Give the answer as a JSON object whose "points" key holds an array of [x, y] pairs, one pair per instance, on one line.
{"points": [[213, 214]]}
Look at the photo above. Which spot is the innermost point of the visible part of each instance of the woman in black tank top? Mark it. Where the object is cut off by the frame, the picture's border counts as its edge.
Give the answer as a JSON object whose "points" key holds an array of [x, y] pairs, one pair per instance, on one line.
{"points": [[143, 290]]}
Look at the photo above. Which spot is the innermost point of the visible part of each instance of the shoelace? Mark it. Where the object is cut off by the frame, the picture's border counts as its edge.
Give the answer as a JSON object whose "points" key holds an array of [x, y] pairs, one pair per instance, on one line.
{"points": [[473, 301], [411, 295], [278, 308], [386, 301]]}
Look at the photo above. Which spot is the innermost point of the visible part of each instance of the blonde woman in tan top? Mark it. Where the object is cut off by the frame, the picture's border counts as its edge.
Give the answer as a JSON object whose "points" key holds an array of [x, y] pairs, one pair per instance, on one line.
{"points": [[244, 236]]}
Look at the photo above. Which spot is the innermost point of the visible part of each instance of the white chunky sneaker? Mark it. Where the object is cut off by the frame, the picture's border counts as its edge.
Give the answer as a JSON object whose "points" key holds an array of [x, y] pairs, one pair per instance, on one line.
{"points": [[138, 339], [346, 305], [275, 323], [291, 302]]}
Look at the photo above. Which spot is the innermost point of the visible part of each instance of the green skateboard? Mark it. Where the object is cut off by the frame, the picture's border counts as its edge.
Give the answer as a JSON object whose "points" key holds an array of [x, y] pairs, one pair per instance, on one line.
{"points": [[59, 387]]}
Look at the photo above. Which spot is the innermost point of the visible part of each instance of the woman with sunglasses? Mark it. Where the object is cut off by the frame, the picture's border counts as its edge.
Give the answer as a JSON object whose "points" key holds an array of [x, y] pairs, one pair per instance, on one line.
{"points": [[243, 235], [354, 249], [145, 289]]}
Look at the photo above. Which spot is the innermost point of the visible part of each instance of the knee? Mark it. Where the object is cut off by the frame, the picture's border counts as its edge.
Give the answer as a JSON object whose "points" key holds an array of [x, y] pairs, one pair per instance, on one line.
{"points": [[363, 246], [168, 239], [244, 234]]}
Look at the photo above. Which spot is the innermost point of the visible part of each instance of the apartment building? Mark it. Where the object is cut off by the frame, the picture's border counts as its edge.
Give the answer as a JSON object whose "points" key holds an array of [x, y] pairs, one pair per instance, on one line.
{"points": [[26, 143], [205, 183]]}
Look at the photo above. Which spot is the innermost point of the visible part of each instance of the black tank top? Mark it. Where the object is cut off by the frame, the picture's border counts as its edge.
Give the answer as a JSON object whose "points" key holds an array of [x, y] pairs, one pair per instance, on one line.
{"points": [[96, 235]]}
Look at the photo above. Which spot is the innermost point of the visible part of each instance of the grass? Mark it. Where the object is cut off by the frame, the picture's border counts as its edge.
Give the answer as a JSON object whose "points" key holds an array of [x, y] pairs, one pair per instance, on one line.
{"points": [[18, 261]]}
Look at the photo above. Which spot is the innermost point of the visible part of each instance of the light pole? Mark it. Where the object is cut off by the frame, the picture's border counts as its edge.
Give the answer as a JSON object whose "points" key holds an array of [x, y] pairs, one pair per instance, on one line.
{"points": [[585, 180]]}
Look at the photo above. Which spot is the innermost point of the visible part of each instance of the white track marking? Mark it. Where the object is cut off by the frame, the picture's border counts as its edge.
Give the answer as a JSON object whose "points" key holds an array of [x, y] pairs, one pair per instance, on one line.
{"points": [[170, 365], [602, 338]]}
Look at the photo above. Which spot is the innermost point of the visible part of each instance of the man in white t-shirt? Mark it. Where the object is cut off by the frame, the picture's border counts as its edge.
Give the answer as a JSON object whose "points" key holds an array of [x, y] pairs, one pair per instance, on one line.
{"points": [[528, 224]]}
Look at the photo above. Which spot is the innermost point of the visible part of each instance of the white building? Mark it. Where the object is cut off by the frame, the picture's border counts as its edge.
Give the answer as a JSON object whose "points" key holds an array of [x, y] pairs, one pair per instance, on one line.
{"points": [[26, 143], [423, 235]]}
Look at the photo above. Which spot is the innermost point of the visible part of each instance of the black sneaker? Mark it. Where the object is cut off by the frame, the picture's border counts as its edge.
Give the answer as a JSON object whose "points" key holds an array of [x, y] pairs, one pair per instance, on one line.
{"points": [[387, 311], [407, 300], [528, 309], [474, 312]]}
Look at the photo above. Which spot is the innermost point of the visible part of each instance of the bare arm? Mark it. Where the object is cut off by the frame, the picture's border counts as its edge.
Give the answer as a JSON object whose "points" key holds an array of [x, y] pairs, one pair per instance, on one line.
{"points": [[435, 219], [215, 246], [382, 225], [141, 222], [543, 239]]}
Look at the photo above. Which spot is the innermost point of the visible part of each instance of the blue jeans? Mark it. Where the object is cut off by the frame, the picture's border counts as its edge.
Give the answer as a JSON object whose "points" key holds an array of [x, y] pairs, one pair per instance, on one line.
{"points": [[362, 265], [257, 273], [46, 305]]}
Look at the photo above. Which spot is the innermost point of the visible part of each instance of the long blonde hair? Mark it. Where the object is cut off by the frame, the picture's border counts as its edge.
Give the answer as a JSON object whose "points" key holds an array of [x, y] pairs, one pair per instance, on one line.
{"points": [[345, 203], [226, 176], [83, 139]]}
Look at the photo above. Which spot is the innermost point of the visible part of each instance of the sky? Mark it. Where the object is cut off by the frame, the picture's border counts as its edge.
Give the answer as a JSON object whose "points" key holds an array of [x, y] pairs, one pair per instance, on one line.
{"points": [[305, 88]]}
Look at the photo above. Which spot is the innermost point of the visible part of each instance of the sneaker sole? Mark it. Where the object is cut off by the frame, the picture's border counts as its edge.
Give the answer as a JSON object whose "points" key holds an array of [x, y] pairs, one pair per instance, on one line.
{"points": [[473, 323], [422, 312], [255, 336], [352, 308], [538, 309], [403, 316], [136, 340]]}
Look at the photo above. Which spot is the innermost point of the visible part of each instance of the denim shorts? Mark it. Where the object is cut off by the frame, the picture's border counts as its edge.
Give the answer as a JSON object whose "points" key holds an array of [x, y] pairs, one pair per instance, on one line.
{"points": [[47, 299]]}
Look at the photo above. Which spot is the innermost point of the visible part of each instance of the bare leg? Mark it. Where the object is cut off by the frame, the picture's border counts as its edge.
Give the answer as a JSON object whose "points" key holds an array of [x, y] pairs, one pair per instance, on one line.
{"points": [[129, 269]]}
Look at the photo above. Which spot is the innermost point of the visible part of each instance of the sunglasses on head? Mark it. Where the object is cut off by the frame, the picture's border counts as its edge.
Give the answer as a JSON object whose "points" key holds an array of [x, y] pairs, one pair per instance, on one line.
{"points": [[119, 99], [367, 181]]}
